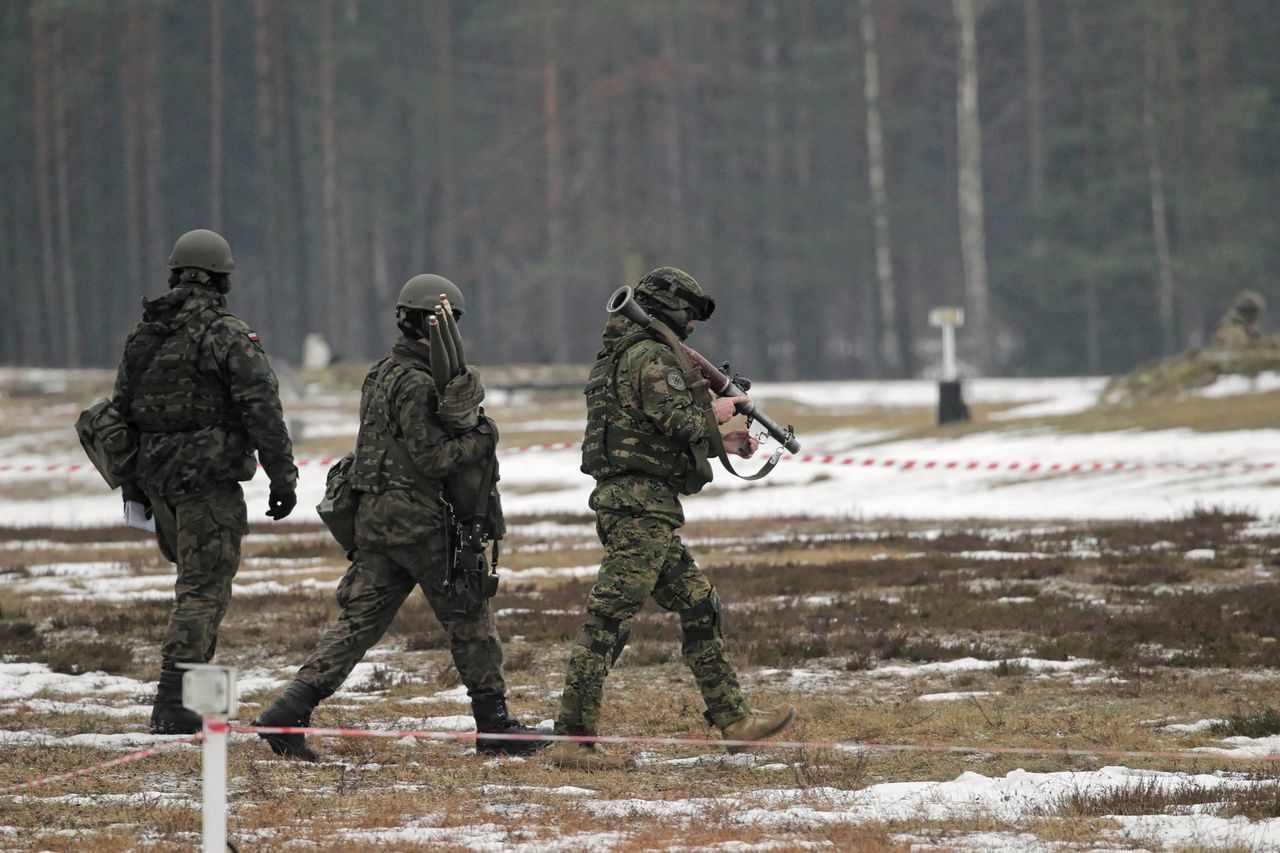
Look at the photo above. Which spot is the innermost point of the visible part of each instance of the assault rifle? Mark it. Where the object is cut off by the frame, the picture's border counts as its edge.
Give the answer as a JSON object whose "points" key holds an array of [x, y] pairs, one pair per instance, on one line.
{"points": [[623, 302]]}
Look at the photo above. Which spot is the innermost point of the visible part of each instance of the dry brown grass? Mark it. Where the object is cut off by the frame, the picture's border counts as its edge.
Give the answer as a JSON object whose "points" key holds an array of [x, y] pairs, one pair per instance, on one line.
{"points": [[798, 599]]}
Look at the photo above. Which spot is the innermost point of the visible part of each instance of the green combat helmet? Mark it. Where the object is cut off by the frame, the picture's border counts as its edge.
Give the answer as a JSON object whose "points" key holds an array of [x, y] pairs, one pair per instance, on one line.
{"points": [[422, 293], [1250, 303], [202, 249], [676, 290]]}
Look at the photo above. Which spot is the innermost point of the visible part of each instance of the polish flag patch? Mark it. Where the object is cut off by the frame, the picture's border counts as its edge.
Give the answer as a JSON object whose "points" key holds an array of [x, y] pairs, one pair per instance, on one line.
{"points": [[253, 336]]}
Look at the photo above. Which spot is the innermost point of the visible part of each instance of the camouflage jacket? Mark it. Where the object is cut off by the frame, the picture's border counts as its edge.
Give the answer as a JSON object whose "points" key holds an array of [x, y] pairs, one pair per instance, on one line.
{"points": [[225, 376], [650, 386], [394, 507], [1235, 331]]}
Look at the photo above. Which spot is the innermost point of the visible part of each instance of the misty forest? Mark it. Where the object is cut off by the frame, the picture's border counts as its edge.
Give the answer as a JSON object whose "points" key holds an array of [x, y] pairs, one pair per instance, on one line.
{"points": [[1092, 180]]}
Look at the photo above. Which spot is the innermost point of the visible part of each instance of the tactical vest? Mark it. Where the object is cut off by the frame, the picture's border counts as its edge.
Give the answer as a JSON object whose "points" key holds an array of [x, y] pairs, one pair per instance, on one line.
{"points": [[174, 393], [619, 441], [377, 469]]}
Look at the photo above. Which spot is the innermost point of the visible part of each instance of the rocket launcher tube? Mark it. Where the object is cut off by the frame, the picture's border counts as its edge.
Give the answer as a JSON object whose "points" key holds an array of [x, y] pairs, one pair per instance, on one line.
{"points": [[622, 302], [455, 337], [446, 343], [441, 370]]}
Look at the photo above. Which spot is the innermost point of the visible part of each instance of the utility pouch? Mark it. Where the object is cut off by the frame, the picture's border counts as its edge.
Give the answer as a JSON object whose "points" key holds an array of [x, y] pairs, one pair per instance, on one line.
{"points": [[109, 441], [338, 507]]}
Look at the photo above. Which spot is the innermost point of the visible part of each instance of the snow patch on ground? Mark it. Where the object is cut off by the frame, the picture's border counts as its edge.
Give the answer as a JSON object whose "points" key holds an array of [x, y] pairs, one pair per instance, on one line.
{"points": [[25, 680], [952, 697], [973, 664], [1235, 385]]}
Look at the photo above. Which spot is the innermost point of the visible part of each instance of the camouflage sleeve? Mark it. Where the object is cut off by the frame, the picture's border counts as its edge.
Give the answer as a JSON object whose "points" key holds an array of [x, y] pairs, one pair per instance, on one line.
{"points": [[435, 453], [664, 397], [123, 384], [256, 395]]}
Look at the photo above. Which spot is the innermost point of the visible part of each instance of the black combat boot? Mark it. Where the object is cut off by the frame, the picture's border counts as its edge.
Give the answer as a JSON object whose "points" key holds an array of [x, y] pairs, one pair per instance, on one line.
{"points": [[169, 716], [293, 708], [492, 717]]}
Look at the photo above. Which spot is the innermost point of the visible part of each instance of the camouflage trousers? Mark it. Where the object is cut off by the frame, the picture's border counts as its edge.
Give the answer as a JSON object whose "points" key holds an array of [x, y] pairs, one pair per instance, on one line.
{"points": [[644, 556], [200, 534], [371, 593]]}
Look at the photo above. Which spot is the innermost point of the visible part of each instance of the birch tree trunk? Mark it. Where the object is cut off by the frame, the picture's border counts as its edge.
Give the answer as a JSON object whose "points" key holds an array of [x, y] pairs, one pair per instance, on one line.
{"points": [[973, 242], [1166, 286], [890, 350]]}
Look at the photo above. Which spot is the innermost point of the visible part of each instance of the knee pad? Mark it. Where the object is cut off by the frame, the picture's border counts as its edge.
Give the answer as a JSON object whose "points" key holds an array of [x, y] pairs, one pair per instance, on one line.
{"points": [[701, 622], [604, 636]]}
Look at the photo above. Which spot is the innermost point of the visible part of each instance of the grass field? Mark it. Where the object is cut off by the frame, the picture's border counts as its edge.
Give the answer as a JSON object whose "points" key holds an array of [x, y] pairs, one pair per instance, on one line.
{"points": [[1158, 634], [1094, 636]]}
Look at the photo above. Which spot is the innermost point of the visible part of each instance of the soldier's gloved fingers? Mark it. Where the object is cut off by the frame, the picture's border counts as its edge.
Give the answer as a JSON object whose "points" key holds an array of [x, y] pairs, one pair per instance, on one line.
{"points": [[281, 502], [439, 355], [460, 360]]}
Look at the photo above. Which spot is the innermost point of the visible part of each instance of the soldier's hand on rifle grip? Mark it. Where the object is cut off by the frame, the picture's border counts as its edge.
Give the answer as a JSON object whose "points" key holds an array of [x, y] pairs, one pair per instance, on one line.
{"points": [[741, 442], [726, 407]]}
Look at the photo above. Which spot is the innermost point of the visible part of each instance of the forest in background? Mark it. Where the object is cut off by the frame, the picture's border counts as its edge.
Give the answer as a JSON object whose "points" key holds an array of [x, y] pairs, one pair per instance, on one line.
{"points": [[1092, 180]]}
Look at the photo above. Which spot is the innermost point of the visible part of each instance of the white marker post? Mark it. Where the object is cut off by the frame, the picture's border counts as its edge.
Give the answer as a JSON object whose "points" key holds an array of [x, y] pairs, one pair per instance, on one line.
{"points": [[951, 407], [211, 691]]}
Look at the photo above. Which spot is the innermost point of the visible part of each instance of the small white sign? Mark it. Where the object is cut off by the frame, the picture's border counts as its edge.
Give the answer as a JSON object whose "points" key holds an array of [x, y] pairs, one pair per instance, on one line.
{"points": [[946, 317]]}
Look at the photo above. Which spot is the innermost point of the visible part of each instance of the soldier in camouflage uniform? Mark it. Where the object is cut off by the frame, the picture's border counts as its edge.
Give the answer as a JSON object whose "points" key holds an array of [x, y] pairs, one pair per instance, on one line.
{"points": [[1239, 327], [646, 445], [197, 386], [401, 529]]}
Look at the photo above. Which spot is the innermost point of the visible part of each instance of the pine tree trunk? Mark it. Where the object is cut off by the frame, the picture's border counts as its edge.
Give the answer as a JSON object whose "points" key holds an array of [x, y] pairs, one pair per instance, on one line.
{"points": [[69, 305], [973, 241], [41, 83], [553, 138], [1081, 42], [890, 350], [215, 115], [1035, 126], [1166, 287], [775, 291], [337, 321], [131, 122], [266, 109], [151, 89], [442, 40]]}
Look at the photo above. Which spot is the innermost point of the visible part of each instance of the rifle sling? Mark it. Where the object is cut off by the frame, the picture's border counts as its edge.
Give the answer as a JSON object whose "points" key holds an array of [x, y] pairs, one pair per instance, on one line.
{"points": [[713, 429]]}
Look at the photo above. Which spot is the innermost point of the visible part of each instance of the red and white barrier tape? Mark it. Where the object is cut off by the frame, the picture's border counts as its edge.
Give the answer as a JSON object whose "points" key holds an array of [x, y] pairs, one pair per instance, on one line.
{"points": [[908, 464], [103, 765], [855, 746], [864, 746]]}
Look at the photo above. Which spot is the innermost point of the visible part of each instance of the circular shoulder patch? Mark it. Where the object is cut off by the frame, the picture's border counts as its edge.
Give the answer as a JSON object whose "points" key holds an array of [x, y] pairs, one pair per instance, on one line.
{"points": [[675, 380]]}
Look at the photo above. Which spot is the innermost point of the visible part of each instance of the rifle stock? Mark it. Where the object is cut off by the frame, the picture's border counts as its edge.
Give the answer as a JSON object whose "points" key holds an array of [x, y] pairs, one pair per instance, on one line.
{"points": [[621, 302]]}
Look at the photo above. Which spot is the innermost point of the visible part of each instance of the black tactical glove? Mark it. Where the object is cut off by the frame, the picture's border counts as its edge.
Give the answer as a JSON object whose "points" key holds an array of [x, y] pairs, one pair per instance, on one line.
{"points": [[281, 502], [132, 492]]}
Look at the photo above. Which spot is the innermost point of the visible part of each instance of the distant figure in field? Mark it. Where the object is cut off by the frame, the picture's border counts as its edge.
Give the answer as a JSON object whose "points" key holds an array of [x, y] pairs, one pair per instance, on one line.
{"points": [[1239, 326]]}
